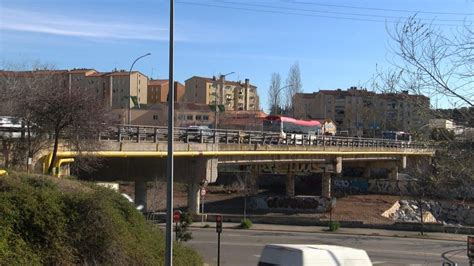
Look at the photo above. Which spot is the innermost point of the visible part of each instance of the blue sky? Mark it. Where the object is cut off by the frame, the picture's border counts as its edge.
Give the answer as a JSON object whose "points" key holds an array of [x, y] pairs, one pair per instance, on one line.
{"points": [[337, 43]]}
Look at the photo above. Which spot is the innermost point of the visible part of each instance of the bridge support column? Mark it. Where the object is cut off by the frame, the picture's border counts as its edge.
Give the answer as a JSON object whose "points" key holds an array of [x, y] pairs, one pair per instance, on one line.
{"points": [[393, 173], [290, 184], [403, 162], [366, 173], [140, 194], [326, 185], [252, 181], [194, 197]]}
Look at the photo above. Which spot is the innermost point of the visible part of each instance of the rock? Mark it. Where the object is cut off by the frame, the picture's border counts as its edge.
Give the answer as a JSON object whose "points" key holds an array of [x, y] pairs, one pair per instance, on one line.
{"points": [[428, 217]]}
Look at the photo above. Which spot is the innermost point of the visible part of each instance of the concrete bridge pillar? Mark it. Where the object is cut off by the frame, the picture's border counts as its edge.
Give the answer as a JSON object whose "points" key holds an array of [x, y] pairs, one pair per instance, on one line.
{"points": [[393, 173], [326, 185], [197, 171], [290, 184], [403, 162], [366, 173], [141, 194], [252, 181], [194, 197]]}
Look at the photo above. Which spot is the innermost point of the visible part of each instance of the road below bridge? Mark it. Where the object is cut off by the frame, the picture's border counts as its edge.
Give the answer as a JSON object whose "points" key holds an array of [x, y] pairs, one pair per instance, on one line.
{"points": [[243, 247]]}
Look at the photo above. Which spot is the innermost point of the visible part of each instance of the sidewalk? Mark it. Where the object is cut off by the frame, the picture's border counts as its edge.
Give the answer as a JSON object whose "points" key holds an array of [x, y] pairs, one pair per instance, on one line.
{"points": [[342, 231]]}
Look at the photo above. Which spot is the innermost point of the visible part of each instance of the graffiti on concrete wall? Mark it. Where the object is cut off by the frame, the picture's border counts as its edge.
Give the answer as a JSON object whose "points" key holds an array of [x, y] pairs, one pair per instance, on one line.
{"points": [[308, 203], [297, 168], [351, 185], [394, 187]]}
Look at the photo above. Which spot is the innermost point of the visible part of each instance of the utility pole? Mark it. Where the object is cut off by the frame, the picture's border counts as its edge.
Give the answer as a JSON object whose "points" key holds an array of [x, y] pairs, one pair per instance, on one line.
{"points": [[170, 161]]}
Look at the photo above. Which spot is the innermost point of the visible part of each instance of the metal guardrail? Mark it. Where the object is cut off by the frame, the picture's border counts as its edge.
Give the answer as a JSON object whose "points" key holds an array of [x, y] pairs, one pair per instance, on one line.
{"points": [[154, 134]]}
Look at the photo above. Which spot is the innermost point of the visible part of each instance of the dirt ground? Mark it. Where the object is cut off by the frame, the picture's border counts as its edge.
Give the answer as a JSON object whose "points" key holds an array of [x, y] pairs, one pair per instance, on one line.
{"points": [[363, 208]]}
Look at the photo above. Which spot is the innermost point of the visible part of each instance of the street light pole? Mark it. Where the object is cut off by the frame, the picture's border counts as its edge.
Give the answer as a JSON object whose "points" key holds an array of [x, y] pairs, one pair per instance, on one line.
{"points": [[130, 91], [170, 159], [221, 92]]}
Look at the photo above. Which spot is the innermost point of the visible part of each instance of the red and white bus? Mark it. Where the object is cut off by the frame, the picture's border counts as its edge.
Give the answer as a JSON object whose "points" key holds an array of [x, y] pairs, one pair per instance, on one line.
{"points": [[291, 128]]}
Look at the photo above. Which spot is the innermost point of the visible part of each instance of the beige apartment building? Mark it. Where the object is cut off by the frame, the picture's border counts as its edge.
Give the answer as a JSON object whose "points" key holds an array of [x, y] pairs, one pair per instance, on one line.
{"points": [[186, 114], [115, 89], [235, 96], [364, 113], [158, 91]]}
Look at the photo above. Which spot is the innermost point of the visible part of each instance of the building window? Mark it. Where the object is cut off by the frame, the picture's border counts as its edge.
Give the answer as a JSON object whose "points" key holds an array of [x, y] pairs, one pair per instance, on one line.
{"points": [[189, 117], [155, 117], [198, 117], [205, 117]]}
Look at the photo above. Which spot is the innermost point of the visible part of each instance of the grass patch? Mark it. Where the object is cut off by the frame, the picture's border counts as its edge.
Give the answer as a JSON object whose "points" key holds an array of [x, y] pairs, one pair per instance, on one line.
{"points": [[334, 226], [246, 224]]}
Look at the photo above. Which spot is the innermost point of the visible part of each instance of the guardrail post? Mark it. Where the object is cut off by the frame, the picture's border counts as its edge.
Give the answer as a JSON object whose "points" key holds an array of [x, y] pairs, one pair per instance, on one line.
{"points": [[138, 134], [155, 135], [215, 136], [119, 134]]}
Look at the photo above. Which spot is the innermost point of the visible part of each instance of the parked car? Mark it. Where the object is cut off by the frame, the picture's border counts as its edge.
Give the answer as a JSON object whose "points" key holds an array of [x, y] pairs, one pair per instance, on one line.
{"points": [[10, 127], [303, 255]]}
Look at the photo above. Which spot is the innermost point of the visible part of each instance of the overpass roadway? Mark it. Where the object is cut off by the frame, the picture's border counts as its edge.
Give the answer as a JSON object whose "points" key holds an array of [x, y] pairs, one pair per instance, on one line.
{"points": [[143, 159]]}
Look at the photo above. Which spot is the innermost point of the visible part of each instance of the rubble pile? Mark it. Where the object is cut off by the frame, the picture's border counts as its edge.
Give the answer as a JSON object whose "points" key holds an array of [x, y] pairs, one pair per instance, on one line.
{"points": [[433, 212]]}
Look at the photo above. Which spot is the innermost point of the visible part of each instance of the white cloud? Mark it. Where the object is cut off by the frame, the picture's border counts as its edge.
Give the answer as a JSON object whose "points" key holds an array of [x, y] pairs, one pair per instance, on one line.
{"points": [[28, 21]]}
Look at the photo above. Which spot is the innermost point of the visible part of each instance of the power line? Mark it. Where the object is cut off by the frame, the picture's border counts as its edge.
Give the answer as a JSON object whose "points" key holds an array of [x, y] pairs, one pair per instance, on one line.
{"points": [[385, 9], [338, 13], [300, 14]]}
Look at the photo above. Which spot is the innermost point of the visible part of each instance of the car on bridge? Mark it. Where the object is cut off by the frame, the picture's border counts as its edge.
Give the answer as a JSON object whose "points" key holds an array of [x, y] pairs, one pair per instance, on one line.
{"points": [[196, 134]]}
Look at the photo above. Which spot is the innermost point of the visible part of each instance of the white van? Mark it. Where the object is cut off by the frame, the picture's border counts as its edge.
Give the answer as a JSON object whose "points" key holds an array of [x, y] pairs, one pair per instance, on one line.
{"points": [[305, 255]]}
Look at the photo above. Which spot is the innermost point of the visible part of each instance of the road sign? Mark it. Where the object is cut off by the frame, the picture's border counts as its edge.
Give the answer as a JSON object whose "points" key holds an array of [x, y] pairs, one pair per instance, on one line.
{"points": [[203, 192], [470, 247], [176, 216], [218, 223]]}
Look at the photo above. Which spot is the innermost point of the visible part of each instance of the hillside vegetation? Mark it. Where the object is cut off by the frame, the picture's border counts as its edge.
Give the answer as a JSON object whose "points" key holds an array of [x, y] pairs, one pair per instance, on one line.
{"points": [[61, 222]]}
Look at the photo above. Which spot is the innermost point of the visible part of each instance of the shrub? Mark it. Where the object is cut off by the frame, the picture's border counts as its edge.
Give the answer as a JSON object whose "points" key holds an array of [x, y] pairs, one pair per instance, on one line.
{"points": [[334, 226], [182, 233], [245, 224], [41, 224]]}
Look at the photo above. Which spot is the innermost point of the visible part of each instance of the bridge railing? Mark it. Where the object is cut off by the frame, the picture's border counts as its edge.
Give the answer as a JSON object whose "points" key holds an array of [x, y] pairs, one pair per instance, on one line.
{"points": [[139, 133]]}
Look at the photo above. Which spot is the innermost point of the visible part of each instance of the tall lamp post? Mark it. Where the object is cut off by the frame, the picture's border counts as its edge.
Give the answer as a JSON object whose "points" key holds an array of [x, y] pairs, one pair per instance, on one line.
{"points": [[222, 81], [169, 155], [130, 97], [276, 98]]}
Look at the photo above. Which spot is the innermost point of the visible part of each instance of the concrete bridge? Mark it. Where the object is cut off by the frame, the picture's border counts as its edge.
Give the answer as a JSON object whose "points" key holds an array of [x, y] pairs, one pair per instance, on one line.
{"points": [[140, 156]]}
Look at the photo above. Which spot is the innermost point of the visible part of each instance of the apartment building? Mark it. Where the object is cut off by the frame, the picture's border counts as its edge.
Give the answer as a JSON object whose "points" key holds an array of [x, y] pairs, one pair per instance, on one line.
{"points": [[117, 89], [232, 95], [158, 91], [186, 114], [362, 112]]}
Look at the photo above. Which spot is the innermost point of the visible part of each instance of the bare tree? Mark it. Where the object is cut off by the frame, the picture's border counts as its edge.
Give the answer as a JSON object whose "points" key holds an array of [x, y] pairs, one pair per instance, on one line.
{"points": [[430, 62], [46, 101], [294, 86], [443, 65], [274, 96]]}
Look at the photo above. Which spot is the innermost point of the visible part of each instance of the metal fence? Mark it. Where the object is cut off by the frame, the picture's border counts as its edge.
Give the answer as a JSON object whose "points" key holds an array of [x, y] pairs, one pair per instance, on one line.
{"points": [[153, 134]]}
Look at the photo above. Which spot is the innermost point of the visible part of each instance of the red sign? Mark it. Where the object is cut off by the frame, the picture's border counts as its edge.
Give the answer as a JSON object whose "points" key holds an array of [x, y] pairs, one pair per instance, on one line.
{"points": [[176, 216]]}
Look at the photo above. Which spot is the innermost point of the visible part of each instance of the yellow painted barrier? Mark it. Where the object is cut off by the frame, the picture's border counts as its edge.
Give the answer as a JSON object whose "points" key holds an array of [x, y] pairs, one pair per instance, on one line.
{"points": [[125, 154], [3, 172], [61, 162]]}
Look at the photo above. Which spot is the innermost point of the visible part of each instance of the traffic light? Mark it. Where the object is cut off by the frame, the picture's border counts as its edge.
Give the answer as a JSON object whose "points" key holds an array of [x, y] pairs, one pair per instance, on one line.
{"points": [[218, 223], [470, 247]]}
